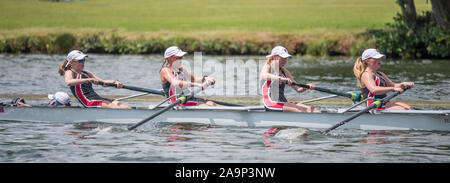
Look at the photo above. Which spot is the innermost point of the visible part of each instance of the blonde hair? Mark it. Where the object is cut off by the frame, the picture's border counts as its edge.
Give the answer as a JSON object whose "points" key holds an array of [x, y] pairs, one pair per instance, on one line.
{"points": [[62, 67], [269, 61], [164, 63], [358, 69]]}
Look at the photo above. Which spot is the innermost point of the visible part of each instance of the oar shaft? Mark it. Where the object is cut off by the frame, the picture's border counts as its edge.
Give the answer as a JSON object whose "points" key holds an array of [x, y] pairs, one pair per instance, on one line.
{"points": [[218, 102], [159, 92], [317, 99], [132, 96], [350, 118], [155, 115], [167, 99], [325, 90], [134, 88], [179, 100]]}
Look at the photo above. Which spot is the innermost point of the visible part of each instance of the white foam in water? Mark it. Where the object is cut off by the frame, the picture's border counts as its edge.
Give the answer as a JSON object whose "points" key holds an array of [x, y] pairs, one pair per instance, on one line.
{"points": [[292, 134]]}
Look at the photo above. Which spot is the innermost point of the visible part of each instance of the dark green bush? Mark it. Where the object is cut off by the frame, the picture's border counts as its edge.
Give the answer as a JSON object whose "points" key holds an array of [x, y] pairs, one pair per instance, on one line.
{"points": [[422, 39], [65, 42]]}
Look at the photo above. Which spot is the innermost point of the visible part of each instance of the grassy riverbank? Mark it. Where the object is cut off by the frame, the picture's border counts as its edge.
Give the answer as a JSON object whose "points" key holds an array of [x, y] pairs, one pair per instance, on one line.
{"points": [[313, 27]]}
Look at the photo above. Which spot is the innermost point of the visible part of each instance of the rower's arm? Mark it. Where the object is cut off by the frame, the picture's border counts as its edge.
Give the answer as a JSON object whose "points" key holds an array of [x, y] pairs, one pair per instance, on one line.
{"points": [[169, 77], [295, 87], [70, 81], [92, 75], [397, 85], [194, 79], [266, 74], [367, 80]]}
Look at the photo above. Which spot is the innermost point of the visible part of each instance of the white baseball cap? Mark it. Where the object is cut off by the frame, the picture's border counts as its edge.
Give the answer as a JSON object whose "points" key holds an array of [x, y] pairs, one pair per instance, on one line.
{"points": [[174, 51], [280, 51], [75, 55], [371, 53], [61, 97]]}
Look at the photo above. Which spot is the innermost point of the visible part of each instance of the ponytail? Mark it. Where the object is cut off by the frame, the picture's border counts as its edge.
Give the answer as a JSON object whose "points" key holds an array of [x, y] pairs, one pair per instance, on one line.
{"points": [[358, 69], [62, 68], [269, 61], [164, 63]]}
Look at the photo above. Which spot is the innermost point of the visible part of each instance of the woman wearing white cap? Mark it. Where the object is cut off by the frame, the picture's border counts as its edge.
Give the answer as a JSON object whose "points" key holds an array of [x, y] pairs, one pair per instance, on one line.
{"points": [[80, 82], [276, 77], [59, 99], [376, 84], [174, 77]]}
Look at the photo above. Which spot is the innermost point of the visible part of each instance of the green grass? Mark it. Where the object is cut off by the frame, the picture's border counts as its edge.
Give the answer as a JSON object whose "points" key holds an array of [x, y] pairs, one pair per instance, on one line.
{"points": [[175, 17]]}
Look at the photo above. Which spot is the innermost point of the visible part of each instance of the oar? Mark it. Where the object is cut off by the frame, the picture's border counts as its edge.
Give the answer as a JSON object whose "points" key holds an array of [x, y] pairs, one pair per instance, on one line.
{"points": [[355, 96], [160, 92], [167, 99], [134, 88], [378, 103], [355, 105], [218, 102], [179, 100], [317, 99], [131, 96]]}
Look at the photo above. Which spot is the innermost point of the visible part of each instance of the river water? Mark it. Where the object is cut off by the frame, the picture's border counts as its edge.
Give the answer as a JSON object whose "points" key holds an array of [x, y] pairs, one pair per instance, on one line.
{"points": [[103, 142]]}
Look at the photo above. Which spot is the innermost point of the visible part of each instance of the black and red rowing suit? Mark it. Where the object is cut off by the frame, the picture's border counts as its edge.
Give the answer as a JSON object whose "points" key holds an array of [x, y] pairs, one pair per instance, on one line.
{"points": [[379, 81], [85, 93]]}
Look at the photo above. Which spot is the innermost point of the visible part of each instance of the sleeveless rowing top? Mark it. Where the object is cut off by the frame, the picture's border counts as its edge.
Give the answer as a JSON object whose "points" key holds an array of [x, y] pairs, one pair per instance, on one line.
{"points": [[171, 90], [84, 92], [273, 97], [379, 81]]}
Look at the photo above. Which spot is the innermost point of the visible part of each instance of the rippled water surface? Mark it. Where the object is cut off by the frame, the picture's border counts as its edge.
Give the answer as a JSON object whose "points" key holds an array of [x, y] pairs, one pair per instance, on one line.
{"points": [[163, 142], [99, 142]]}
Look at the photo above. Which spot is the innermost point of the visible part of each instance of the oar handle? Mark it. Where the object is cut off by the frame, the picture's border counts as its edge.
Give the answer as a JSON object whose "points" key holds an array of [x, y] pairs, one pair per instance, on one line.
{"points": [[134, 88], [107, 84]]}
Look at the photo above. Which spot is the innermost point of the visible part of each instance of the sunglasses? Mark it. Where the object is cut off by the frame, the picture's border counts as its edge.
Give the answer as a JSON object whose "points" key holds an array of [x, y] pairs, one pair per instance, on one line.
{"points": [[177, 58], [14, 101], [81, 60]]}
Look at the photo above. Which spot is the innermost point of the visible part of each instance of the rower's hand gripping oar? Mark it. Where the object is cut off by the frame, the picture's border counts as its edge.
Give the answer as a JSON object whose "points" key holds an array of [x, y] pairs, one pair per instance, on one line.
{"points": [[377, 104], [355, 96], [180, 100], [134, 88]]}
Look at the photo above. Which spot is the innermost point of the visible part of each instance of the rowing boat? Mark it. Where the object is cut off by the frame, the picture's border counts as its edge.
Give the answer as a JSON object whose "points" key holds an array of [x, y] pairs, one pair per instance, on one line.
{"points": [[248, 116]]}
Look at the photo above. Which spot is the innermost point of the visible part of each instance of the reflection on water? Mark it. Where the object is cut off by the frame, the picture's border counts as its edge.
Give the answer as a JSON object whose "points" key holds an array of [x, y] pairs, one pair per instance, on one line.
{"points": [[189, 142]]}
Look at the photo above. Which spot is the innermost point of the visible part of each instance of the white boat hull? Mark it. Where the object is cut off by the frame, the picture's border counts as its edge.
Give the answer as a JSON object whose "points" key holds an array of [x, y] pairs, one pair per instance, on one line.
{"points": [[235, 116]]}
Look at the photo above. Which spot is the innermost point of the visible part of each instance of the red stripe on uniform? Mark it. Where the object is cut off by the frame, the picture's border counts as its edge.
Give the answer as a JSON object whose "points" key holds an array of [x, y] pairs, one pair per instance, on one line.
{"points": [[266, 98], [370, 101], [86, 102]]}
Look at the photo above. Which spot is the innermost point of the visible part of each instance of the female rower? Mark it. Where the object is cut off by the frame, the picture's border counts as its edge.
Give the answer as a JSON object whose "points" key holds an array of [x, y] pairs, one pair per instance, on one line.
{"points": [[174, 77], [376, 84], [80, 82], [276, 77]]}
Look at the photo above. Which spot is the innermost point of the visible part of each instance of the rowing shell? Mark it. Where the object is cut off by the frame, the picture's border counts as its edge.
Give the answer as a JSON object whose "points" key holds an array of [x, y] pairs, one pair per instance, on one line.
{"points": [[435, 120]]}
